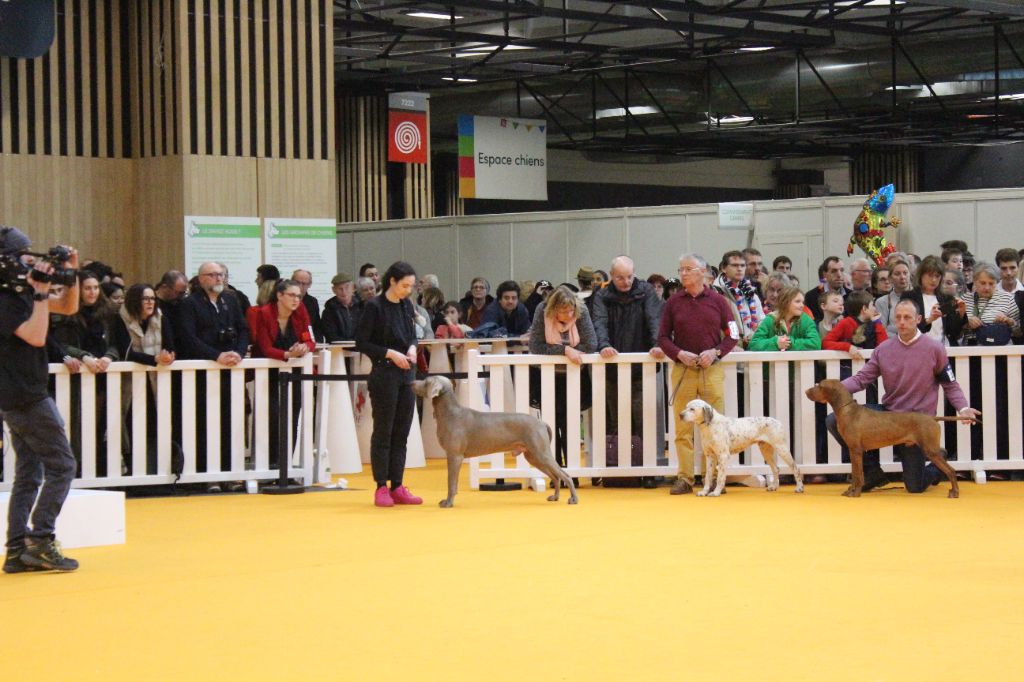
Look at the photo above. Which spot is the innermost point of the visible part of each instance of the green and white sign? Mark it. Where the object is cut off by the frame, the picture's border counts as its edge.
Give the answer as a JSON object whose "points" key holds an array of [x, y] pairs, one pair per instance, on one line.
{"points": [[304, 244], [235, 242]]}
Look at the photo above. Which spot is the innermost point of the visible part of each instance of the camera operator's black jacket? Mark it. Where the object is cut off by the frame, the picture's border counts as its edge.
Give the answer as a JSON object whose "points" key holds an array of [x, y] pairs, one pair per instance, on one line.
{"points": [[206, 332]]}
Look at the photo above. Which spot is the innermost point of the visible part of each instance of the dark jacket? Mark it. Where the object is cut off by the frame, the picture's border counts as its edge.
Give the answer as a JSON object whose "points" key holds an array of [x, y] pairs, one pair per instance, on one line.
{"points": [[812, 301], [952, 323], [313, 311], [627, 322], [516, 322], [208, 331], [89, 332], [338, 322]]}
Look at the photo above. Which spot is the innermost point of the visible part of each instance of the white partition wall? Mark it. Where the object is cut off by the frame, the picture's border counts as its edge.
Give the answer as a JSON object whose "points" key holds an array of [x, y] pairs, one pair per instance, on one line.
{"points": [[552, 245]]}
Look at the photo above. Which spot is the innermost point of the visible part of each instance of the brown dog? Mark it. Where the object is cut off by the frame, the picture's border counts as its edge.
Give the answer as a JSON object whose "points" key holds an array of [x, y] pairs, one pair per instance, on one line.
{"points": [[864, 429]]}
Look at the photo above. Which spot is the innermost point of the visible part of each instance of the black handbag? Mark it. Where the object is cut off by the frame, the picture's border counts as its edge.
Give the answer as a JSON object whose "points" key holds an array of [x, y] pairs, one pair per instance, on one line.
{"points": [[995, 334]]}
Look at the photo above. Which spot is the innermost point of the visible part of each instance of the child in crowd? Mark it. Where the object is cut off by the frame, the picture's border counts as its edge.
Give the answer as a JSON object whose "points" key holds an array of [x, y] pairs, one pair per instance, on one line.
{"points": [[832, 309], [451, 329], [860, 329]]}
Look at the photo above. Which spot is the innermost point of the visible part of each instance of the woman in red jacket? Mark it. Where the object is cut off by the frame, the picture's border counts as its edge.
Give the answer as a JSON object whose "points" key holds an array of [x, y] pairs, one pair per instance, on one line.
{"points": [[280, 329]]}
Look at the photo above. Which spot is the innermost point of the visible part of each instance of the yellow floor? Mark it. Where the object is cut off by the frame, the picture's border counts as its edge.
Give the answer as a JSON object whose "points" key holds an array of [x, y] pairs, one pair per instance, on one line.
{"points": [[628, 585]]}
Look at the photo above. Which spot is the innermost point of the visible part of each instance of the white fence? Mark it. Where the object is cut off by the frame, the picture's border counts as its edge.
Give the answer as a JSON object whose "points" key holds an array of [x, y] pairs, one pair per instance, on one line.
{"points": [[120, 453], [116, 448], [770, 384]]}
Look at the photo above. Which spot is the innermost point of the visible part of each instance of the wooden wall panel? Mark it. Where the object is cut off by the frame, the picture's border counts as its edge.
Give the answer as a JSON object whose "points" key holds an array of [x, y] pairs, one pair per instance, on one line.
{"points": [[159, 215], [296, 188], [219, 185], [79, 201], [362, 159]]}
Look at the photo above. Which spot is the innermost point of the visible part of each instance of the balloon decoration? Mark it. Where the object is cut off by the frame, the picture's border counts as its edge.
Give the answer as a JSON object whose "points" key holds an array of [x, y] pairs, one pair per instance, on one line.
{"points": [[867, 229]]}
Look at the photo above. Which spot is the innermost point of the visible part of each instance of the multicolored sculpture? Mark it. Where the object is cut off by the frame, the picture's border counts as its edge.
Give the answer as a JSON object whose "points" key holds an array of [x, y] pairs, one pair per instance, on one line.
{"points": [[867, 229]]}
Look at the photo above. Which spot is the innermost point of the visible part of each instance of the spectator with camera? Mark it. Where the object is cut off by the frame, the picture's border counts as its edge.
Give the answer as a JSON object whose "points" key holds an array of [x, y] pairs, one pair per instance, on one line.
{"points": [[44, 466], [213, 327]]}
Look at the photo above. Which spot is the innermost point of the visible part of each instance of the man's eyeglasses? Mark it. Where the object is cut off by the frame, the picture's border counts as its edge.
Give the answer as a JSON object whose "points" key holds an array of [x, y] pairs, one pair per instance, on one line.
{"points": [[215, 275], [683, 271]]}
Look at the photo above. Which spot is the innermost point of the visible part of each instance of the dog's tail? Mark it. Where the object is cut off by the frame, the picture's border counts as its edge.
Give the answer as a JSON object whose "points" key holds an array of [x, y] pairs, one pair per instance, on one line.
{"points": [[976, 420]]}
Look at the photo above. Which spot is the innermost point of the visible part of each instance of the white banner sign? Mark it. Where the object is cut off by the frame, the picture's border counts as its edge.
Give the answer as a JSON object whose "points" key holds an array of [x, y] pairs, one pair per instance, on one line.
{"points": [[235, 242], [502, 158], [735, 216], [304, 244]]}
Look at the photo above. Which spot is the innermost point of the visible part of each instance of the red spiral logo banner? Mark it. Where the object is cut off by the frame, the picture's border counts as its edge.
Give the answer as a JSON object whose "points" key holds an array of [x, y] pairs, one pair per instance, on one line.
{"points": [[407, 137]]}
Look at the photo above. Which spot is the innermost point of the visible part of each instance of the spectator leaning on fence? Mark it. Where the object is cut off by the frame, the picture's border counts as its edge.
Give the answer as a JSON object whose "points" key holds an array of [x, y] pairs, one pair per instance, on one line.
{"points": [[562, 326], [740, 292], [626, 316], [788, 327], [697, 329], [991, 313]]}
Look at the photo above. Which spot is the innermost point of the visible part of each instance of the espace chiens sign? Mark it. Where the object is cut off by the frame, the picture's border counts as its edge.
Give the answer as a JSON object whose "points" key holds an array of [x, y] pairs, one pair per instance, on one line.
{"points": [[502, 158]]}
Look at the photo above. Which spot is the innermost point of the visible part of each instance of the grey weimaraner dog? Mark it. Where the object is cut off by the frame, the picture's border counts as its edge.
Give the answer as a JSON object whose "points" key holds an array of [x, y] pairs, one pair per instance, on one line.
{"points": [[468, 433]]}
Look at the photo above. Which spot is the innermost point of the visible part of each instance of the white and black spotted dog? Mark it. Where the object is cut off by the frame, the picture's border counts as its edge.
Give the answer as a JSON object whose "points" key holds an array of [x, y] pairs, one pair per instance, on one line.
{"points": [[723, 436]]}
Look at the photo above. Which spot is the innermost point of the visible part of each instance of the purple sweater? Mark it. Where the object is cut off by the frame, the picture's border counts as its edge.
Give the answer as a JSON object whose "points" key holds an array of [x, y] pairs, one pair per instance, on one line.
{"points": [[908, 373]]}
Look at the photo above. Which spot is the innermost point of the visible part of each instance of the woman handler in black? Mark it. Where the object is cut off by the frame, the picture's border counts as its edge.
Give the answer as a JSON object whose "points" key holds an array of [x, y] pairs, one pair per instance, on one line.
{"points": [[387, 336]]}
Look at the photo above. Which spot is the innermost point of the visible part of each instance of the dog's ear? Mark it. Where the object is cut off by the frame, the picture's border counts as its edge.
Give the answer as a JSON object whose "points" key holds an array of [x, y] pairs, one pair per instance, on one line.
{"points": [[435, 387], [709, 414]]}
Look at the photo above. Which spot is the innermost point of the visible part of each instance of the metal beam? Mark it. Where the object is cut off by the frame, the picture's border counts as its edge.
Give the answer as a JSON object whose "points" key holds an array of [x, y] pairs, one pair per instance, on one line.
{"points": [[1008, 7]]}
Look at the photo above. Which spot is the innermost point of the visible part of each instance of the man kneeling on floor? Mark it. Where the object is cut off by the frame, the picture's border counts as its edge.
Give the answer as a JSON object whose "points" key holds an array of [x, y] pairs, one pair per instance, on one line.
{"points": [[912, 366]]}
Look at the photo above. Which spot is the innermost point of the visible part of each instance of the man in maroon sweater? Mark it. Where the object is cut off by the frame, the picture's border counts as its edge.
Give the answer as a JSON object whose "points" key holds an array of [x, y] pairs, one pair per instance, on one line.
{"points": [[697, 328], [912, 367]]}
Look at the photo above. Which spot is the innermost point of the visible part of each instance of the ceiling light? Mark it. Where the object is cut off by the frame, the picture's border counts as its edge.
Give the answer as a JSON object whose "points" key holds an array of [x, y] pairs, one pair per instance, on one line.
{"points": [[424, 14], [904, 87], [479, 50], [870, 3], [762, 48], [731, 120], [619, 112], [458, 80], [1012, 98]]}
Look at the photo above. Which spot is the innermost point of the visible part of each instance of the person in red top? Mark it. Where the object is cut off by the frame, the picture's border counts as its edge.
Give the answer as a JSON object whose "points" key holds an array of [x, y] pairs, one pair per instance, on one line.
{"points": [[697, 328], [859, 329], [280, 329]]}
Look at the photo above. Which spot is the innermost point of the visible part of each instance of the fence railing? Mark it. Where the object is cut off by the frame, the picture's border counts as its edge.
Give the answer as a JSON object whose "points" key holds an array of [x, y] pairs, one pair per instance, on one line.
{"points": [[133, 425], [219, 419]]}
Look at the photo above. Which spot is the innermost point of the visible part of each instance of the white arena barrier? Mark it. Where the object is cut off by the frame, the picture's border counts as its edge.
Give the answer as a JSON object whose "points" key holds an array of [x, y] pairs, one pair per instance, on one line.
{"points": [[757, 384], [122, 453]]}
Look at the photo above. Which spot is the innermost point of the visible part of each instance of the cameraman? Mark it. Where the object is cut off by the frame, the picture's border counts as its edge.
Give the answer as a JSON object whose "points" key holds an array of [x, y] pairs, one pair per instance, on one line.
{"points": [[44, 464], [213, 327]]}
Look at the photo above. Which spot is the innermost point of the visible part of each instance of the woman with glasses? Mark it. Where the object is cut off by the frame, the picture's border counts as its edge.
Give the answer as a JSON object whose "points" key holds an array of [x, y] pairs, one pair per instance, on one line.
{"points": [[143, 334]]}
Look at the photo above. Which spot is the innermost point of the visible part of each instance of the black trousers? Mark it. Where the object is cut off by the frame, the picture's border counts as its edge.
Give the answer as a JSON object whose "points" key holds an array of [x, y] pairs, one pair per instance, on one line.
{"points": [[393, 404], [916, 475]]}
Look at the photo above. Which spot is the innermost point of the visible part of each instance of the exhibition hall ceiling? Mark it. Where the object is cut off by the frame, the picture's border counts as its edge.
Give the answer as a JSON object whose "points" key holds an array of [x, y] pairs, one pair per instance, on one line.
{"points": [[736, 78]]}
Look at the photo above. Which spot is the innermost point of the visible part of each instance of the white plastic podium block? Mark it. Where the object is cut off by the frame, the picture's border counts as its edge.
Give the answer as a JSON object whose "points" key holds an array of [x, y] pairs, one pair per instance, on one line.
{"points": [[90, 518]]}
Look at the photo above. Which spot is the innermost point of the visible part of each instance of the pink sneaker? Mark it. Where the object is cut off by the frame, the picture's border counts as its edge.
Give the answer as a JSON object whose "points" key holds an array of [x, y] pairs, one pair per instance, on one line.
{"points": [[401, 495], [382, 498]]}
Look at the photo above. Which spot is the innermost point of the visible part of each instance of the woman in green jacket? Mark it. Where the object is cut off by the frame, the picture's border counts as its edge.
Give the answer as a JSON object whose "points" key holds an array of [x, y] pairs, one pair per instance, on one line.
{"points": [[788, 327]]}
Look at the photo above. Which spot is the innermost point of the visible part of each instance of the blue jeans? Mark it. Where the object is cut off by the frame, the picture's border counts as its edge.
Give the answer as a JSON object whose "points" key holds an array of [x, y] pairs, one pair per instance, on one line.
{"points": [[44, 465], [916, 476]]}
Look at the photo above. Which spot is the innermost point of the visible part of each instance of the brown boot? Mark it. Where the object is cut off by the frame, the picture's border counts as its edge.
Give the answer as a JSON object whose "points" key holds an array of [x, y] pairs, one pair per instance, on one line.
{"points": [[681, 487]]}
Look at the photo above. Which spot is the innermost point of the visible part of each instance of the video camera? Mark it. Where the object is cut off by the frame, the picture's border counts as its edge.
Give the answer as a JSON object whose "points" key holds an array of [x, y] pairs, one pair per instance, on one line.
{"points": [[14, 274]]}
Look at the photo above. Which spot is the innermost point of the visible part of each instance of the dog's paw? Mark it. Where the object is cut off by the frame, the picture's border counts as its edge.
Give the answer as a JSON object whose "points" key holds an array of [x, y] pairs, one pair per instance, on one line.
{"points": [[552, 498], [702, 493], [772, 487], [851, 492], [953, 494], [799, 488], [574, 500], [714, 493], [446, 504]]}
